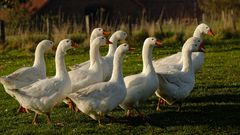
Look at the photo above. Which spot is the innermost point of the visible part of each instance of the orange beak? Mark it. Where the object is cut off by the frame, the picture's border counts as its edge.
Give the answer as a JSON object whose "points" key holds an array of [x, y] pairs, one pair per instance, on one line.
{"points": [[127, 39], [202, 48], [106, 33], [131, 49], [210, 32], [158, 43], [54, 48], [74, 45], [108, 42]]}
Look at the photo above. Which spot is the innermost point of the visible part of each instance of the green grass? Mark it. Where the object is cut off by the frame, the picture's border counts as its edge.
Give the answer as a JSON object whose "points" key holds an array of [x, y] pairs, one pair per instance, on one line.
{"points": [[212, 108]]}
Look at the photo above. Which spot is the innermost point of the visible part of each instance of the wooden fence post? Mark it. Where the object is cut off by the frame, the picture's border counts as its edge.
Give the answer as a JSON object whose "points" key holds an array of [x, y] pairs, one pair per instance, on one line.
{"points": [[87, 24], [2, 32], [49, 28], [233, 21], [130, 25]]}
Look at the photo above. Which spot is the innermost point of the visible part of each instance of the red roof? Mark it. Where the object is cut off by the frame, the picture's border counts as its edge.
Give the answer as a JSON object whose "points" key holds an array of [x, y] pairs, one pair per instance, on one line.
{"points": [[32, 6]]}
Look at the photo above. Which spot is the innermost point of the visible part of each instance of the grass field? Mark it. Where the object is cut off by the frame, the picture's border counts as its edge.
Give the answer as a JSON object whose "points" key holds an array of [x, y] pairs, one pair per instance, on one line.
{"points": [[212, 108]]}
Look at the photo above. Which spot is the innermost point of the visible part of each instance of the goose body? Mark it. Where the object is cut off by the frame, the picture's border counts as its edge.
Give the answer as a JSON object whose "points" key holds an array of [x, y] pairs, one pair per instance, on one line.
{"points": [[81, 78], [107, 61], [176, 60], [174, 84], [143, 85], [28, 75], [98, 99], [95, 33], [44, 94]]}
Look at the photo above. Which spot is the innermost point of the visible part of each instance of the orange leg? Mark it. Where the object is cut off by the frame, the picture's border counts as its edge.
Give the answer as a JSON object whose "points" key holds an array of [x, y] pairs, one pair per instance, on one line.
{"points": [[49, 121], [179, 106], [22, 110], [35, 119], [71, 105], [160, 102]]}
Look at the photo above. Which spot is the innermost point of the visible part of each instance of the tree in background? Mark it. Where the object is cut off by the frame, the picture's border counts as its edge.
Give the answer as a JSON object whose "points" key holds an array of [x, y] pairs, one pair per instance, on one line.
{"points": [[11, 10], [227, 10]]}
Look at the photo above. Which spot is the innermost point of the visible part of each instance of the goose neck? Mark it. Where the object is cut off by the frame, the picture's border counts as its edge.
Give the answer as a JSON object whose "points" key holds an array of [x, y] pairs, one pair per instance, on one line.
{"points": [[61, 70], [198, 33], [187, 61], [92, 37], [39, 61], [112, 47], [117, 75], [94, 54], [147, 59]]}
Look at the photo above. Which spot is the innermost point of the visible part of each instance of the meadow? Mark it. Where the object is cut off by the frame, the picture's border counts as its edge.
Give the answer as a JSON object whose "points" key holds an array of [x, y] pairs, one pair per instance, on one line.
{"points": [[213, 107]]}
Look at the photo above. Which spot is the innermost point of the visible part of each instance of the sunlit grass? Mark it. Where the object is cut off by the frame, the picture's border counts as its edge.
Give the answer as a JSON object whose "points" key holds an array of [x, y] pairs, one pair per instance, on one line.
{"points": [[212, 108]]}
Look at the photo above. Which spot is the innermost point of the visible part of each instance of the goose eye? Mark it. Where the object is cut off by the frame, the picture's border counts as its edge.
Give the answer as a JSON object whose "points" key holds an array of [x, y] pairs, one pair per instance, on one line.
{"points": [[102, 38], [152, 39], [68, 41], [195, 45], [206, 27], [99, 29], [125, 45]]}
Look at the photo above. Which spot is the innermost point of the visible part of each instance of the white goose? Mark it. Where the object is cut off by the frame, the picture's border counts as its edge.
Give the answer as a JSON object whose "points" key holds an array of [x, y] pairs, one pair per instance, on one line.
{"points": [[98, 99], [81, 78], [95, 33], [174, 84], [43, 95], [28, 75], [197, 57], [107, 61], [143, 85]]}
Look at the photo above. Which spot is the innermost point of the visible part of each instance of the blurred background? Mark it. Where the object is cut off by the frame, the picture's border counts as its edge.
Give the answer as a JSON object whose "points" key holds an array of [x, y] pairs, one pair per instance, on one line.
{"points": [[24, 22]]}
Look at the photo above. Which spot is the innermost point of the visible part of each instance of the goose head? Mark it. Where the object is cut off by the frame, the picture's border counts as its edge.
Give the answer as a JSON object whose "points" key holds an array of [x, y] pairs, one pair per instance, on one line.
{"points": [[194, 44], [124, 48], [152, 41], [99, 32], [203, 28], [116, 36], [120, 35], [46, 44], [65, 45], [101, 40]]}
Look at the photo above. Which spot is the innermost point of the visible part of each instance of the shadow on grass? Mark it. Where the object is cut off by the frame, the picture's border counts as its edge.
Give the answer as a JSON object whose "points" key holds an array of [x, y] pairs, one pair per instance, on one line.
{"points": [[226, 98], [220, 50], [213, 110], [212, 115], [220, 86]]}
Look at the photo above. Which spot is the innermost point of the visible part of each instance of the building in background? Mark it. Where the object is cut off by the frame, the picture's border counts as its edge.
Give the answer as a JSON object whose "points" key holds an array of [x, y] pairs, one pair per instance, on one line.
{"points": [[114, 11]]}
